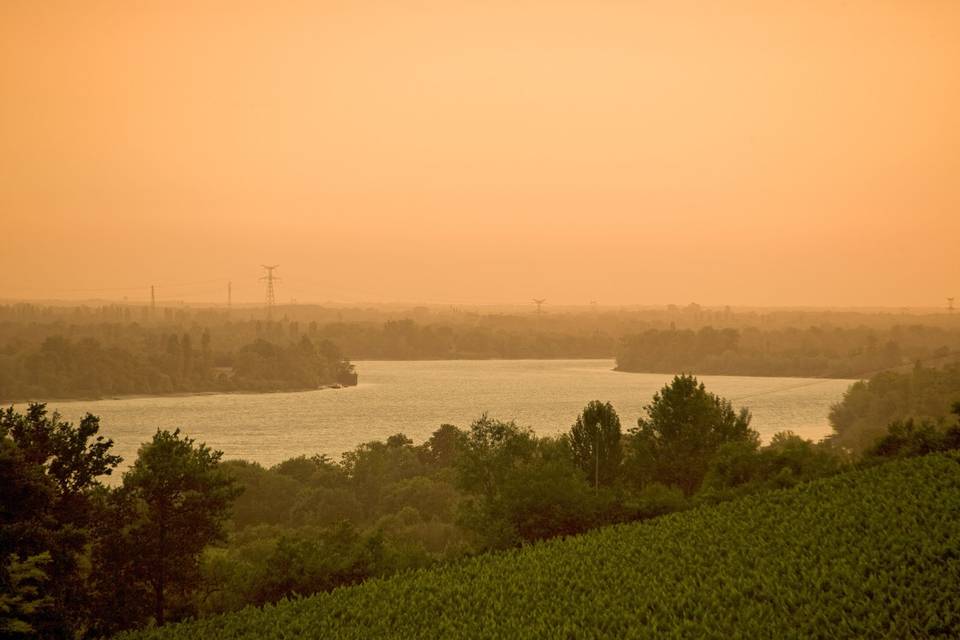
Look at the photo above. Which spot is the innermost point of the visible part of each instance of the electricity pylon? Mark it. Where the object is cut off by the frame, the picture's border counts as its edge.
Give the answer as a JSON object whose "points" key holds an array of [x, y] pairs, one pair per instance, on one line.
{"points": [[271, 293]]}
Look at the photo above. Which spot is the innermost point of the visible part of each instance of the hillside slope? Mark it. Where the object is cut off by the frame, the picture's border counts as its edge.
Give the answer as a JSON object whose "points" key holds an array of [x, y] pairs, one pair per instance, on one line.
{"points": [[872, 553]]}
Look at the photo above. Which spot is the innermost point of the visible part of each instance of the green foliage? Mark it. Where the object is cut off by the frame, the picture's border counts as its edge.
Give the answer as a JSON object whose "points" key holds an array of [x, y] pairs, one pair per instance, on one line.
{"points": [[49, 471], [118, 596], [183, 499], [683, 428], [374, 465], [431, 497], [20, 597], [546, 498], [313, 562], [906, 438], [443, 447], [595, 442], [311, 524], [869, 406], [490, 450], [744, 467], [521, 488], [268, 497], [655, 500], [872, 553]]}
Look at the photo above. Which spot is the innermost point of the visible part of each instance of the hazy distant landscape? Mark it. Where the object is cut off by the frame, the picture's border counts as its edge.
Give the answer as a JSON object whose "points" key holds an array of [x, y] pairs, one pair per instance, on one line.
{"points": [[90, 352], [304, 469], [589, 319]]}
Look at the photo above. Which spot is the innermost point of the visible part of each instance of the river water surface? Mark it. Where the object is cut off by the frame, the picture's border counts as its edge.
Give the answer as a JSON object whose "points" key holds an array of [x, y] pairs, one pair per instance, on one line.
{"points": [[416, 397]]}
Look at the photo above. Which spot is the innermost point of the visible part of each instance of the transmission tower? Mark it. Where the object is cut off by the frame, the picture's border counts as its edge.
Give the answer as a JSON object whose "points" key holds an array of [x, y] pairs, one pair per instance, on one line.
{"points": [[539, 302], [153, 301], [271, 294], [950, 305]]}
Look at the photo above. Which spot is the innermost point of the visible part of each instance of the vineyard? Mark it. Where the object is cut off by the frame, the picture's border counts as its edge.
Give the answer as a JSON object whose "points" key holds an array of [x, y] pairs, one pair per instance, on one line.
{"points": [[872, 553]]}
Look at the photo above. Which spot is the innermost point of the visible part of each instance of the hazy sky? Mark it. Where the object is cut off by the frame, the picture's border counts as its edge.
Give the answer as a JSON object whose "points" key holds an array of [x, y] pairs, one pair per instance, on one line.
{"points": [[767, 152]]}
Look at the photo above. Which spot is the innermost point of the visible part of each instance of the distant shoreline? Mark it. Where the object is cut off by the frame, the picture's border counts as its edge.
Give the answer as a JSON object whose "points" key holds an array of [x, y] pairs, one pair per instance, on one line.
{"points": [[739, 375], [174, 394]]}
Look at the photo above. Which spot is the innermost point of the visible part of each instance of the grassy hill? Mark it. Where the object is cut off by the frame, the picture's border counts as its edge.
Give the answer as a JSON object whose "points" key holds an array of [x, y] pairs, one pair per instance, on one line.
{"points": [[872, 553]]}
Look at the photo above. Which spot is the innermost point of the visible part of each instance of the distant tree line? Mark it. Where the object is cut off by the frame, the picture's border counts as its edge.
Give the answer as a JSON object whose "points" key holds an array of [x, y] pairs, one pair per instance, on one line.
{"points": [[131, 350], [407, 339], [615, 321], [158, 363], [822, 352]]}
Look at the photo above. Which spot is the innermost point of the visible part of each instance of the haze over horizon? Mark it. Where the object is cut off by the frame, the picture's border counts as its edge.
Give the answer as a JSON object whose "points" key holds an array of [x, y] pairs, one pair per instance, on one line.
{"points": [[771, 153]]}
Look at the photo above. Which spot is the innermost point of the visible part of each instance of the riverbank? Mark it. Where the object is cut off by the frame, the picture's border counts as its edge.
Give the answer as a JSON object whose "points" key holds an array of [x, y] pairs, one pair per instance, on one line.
{"points": [[175, 394], [742, 373]]}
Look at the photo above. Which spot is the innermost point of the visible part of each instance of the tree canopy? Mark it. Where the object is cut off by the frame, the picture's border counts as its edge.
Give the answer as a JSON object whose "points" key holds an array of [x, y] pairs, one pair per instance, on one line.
{"points": [[683, 428], [185, 499], [595, 442]]}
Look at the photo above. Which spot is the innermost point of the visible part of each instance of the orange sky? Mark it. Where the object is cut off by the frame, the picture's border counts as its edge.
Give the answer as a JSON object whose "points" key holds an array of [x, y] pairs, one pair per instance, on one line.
{"points": [[766, 153]]}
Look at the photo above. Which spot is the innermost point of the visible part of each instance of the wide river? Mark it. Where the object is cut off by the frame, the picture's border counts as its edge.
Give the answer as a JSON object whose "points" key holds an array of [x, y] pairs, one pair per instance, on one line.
{"points": [[416, 397]]}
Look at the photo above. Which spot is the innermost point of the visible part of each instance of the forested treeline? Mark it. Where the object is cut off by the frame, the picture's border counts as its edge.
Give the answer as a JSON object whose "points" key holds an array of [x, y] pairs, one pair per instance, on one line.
{"points": [[91, 361], [819, 351], [186, 534], [703, 341], [924, 395], [409, 340], [614, 320]]}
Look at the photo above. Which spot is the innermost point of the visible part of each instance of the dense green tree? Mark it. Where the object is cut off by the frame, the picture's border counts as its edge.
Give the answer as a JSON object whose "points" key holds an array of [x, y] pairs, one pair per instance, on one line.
{"points": [[521, 488], [319, 470], [743, 467], [184, 497], [490, 450], [440, 451], [118, 592], [431, 497], [372, 466], [595, 443], [683, 428], [305, 564], [268, 497], [49, 470], [548, 497], [917, 437]]}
